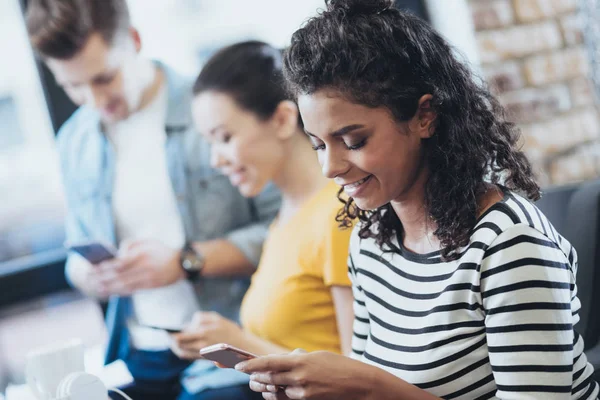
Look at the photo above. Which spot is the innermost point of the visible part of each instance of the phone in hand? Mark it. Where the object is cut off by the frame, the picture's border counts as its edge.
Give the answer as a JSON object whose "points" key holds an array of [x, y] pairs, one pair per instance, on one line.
{"points": [[160, 328], [94, 252], [226, 355]]}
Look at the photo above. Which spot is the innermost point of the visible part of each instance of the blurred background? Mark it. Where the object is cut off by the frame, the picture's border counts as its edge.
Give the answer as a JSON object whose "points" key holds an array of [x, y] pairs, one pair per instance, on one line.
{"points": [[539, 56]]}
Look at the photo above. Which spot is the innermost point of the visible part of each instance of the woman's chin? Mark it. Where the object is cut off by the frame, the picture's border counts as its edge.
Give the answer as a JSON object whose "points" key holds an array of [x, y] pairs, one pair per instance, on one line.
{"points": [[368, 204], [248, 189]]}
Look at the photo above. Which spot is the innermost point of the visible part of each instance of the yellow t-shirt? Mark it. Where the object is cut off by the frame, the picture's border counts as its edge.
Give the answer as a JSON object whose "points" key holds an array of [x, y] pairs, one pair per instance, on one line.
{"points": [[289, 302]]}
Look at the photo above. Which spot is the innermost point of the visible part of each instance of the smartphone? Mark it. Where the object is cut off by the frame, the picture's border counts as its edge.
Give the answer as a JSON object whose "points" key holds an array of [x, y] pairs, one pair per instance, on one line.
{"points": [[94, 252], [226, 355], [160, 328]]}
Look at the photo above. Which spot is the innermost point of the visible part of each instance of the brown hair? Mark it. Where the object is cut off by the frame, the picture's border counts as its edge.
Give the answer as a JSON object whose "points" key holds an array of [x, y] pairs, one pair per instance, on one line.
{"points": [[60, 28]]}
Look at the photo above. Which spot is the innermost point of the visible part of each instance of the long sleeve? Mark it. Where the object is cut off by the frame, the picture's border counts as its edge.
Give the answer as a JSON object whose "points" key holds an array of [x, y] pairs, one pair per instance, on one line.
{"points": [[527, 285], [75, 265], [361, 327]]}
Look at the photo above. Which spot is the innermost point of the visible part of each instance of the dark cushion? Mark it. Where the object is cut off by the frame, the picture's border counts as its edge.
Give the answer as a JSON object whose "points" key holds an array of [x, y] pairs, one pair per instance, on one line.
{"points": [[554, 204], [582, 227]]}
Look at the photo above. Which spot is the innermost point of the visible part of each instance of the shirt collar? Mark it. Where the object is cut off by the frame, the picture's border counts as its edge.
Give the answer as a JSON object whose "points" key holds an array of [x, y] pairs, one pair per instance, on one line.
{"points": [[179, 97]]}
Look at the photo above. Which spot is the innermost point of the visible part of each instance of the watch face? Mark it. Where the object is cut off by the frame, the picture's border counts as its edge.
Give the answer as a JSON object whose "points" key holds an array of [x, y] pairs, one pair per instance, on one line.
{"points": [[192, 261]]}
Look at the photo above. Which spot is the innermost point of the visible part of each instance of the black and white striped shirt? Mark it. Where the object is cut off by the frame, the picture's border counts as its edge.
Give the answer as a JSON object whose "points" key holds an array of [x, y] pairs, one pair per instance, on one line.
{"points": [[495, 324]]}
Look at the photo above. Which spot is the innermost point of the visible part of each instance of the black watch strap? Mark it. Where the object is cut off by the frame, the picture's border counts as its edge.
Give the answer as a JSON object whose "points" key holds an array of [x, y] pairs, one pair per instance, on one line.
{"points": [[191, 262]]}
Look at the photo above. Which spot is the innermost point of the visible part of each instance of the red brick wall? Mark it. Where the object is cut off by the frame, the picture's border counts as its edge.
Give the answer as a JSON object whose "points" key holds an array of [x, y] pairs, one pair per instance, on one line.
{"points": [[533, 58]]}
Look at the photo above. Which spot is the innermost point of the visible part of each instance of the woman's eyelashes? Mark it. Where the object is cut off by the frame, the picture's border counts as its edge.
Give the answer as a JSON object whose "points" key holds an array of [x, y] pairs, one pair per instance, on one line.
{"points": [[356, 146], [317, 147]]}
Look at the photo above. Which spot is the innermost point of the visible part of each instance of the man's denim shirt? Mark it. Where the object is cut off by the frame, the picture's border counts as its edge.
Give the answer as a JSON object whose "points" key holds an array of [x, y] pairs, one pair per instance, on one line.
{"points": [[209, 205]]}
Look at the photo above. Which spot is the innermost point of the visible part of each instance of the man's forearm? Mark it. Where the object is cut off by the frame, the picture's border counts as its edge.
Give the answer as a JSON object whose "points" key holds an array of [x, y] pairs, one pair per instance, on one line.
{"points": [[223, 259]]}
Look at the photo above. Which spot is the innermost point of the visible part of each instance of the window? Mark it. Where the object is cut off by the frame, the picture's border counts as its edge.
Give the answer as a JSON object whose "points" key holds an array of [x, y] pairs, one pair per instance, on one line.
{"points": [[184, 33], [31, 205]]}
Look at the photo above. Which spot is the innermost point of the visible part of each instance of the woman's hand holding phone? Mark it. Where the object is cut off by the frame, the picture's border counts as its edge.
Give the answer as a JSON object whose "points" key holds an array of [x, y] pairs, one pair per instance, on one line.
{"points": [[227, 356], [206, 329], [316, 376]]}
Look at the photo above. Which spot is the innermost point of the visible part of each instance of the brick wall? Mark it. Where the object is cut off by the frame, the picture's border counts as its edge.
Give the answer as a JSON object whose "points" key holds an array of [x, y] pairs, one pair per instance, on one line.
{"points": [[533, 57]]}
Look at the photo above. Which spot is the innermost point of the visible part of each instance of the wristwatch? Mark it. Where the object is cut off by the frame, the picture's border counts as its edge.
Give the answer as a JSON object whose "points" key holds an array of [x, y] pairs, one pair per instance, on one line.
{"points": [[192, 262]]}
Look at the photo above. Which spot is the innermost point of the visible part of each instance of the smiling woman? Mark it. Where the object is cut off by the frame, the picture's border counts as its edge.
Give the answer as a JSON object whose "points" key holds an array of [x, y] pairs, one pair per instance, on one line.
{"points": [[462, 288], [300, 295], [363, 153]]}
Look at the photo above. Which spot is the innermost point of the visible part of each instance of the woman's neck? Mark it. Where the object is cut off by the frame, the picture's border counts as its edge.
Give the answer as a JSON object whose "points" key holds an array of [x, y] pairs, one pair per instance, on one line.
{"points": [[300, 176], [417, 224]]}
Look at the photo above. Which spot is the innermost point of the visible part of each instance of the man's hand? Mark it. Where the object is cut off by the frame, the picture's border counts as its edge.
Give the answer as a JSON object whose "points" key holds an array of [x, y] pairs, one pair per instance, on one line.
{"points": [[206, 329], [143, 264]]}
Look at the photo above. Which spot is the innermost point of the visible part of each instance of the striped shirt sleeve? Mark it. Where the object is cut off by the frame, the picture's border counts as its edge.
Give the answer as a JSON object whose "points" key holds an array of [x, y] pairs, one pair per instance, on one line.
{"points": [[526, 287], [361, 315]]}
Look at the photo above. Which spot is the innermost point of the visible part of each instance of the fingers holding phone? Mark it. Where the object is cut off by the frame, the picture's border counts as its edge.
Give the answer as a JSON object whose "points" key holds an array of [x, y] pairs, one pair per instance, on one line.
{"points": [[82, 270], [106, 273], [206, 329], [227, 356], [185, 345], [122, 276], [141, 264]]}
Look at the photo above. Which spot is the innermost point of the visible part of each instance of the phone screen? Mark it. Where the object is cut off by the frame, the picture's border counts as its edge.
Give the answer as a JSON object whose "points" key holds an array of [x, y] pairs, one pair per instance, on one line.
{"points": [[226, 355], [93, 252]]}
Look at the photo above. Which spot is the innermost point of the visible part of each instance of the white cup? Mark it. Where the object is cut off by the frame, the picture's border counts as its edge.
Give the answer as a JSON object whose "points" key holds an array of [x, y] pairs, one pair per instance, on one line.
{"points": [[47, 366]]}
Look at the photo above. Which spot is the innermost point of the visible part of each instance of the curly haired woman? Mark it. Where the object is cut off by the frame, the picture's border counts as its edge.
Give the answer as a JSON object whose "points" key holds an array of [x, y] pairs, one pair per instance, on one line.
{"points": [[463, 289]]}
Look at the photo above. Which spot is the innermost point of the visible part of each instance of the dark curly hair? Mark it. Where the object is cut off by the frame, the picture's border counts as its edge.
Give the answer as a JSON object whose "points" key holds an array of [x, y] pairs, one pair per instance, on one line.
{"points": [[376, 55]]}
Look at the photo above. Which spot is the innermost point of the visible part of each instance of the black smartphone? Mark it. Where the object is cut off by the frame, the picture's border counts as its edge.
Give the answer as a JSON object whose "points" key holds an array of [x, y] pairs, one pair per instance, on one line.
{"points": [[94, 252], [168, 330]]}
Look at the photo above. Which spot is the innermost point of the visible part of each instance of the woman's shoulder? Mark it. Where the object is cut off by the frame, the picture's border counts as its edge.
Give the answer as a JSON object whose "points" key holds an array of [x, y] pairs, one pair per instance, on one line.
{"points": [[516, 214], [510, 211]]}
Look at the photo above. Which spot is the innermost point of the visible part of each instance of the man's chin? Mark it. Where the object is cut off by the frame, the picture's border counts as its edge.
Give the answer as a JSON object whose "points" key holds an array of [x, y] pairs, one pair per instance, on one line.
{"points": [[113, 118]]}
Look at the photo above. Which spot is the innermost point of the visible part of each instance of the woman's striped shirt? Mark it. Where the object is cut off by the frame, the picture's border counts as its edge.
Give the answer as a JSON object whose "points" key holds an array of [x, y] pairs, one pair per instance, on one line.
{"points": [[495, 324]]}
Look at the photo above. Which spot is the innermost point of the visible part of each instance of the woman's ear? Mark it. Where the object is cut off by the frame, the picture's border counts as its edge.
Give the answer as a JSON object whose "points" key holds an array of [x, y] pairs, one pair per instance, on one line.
{"points": [[285, 119], [423, 121]]}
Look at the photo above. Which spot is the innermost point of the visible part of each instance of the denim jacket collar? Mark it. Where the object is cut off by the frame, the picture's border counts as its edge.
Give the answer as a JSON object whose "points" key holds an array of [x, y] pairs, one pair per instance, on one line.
{"points": [[178, 88]]}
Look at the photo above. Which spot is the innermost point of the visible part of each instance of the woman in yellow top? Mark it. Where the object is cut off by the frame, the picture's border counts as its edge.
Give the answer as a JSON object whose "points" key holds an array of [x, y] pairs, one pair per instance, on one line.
{"points": [[299, 294]]}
